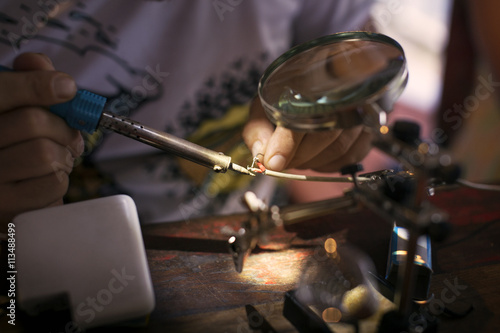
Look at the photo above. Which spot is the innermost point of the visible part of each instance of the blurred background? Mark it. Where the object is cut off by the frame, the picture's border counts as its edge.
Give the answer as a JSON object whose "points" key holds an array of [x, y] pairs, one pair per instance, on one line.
{"points": [[422, 29], [447, 65]]}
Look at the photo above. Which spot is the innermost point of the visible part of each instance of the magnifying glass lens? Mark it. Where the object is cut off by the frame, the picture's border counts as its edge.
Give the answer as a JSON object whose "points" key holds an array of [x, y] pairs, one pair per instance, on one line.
{"points": [[333, 81]]}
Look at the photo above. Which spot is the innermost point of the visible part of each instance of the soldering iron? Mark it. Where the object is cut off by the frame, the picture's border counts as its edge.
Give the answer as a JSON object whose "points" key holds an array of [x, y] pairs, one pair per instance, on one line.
{"points": [[87, 111]]}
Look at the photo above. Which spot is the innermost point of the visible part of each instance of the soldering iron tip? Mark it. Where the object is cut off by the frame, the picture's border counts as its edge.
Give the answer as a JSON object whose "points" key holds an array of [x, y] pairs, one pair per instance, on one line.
{"points": [[240, 169]]}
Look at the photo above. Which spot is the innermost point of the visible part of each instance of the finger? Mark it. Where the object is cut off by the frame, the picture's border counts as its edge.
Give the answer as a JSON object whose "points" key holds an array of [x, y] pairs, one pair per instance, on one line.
{"points": [[32, 61], [34, 83], [36, 193], [34, 88], [333, 162], [258, 129], [29, 123], [313, 145], [33, 159], [337, 147], [281, 148]]}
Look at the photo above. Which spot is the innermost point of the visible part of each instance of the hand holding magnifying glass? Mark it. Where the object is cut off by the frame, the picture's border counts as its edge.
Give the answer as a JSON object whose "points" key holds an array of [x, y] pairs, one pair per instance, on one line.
{"points": [[342, 83]]}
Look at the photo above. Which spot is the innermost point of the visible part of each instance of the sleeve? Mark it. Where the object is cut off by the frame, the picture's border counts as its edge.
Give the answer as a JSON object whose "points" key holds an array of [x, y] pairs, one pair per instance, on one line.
{"points": [[322, 17]]}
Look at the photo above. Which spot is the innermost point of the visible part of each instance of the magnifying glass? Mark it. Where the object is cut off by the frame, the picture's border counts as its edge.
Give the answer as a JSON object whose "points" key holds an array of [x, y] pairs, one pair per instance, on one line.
{"points": [[336, 81]]}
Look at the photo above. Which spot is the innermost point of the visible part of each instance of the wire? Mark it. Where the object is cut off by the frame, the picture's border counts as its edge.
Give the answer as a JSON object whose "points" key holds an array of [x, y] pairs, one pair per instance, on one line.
{"points": [[478, 186], [292, 176], [258, 167]]}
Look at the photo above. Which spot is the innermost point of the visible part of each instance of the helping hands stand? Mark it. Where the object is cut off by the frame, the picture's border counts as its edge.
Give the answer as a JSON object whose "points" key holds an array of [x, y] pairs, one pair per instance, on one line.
{"points": [[399, 197]]}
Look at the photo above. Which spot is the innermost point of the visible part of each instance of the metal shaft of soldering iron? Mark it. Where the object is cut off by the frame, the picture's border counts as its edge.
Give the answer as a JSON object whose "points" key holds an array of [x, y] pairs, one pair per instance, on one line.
{"points": [[170, 143], [85, 112]]}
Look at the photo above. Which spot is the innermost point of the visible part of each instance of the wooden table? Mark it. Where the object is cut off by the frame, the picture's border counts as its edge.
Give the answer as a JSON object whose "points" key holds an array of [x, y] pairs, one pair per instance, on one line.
{"points": [[197, 288]]}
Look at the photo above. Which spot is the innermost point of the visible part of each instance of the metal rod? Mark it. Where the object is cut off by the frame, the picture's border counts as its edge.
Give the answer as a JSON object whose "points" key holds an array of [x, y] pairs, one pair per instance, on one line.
{"points": [[300, 212], [405, 288], [167, 142]]}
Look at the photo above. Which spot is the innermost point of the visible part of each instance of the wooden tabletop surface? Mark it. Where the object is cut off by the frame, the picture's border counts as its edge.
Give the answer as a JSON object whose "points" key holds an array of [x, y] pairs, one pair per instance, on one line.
{"points": [[198, 289]]}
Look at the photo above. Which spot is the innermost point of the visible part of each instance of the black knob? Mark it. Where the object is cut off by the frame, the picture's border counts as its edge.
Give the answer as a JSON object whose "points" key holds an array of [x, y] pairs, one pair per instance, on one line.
{"points": [[400, 188], [447, 174], [351, 169], [407, 131]]}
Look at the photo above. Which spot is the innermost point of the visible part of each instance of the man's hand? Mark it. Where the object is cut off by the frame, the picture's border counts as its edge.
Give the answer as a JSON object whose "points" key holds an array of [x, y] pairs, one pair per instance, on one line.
{"points": [[37, 148], [325, 151]]}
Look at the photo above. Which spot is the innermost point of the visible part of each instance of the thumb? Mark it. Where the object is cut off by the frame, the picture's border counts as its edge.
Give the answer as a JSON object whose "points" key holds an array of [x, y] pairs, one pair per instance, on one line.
{"points": [[281, 148], [258, 130], [32, 61], [34, 83]]}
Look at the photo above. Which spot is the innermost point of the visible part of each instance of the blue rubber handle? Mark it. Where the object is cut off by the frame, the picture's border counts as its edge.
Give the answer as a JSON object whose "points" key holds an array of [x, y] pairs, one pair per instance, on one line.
{"points": [[83, 112]]}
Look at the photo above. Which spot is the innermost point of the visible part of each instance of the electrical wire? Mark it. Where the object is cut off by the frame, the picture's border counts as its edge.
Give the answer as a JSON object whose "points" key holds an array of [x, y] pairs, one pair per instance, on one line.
{"points": [[478, 186], [292, 176], [258, 167]]}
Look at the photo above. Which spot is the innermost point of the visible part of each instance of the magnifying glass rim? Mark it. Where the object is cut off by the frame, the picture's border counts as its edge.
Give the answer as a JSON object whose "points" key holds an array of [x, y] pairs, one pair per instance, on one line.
{"points": [[399, 79]]}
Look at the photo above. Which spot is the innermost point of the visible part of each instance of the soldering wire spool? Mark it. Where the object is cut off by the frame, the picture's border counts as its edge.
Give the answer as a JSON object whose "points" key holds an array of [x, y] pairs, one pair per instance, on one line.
{"points": [[336, 81]]}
